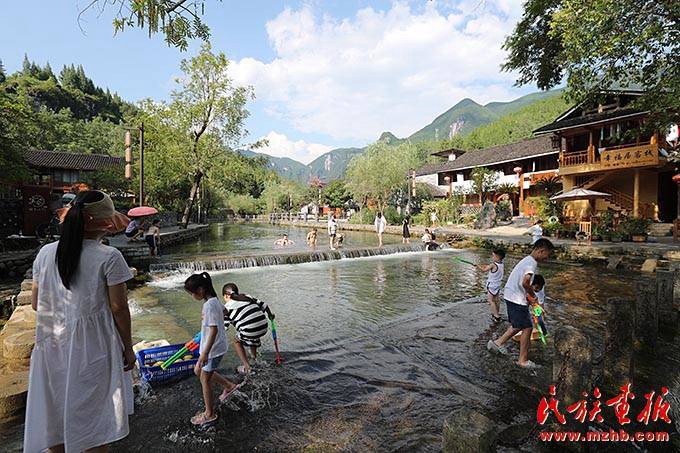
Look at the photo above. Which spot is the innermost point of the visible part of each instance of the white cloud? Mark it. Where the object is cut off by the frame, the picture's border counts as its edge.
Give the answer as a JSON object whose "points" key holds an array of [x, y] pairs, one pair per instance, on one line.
{"points": [[281, 146], [381, 70]]}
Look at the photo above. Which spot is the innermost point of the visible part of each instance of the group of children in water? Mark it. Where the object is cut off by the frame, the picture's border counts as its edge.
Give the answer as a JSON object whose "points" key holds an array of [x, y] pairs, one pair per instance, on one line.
{"points": [[249, 318], [524, 288]]}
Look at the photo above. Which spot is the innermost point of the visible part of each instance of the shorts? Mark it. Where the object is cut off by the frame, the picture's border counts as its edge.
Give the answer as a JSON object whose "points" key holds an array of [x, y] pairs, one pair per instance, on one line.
{"points": [[132, 233], [212, 364], [248, 341], [518, 315], [331, 235], [151, 241], [493, 290]]}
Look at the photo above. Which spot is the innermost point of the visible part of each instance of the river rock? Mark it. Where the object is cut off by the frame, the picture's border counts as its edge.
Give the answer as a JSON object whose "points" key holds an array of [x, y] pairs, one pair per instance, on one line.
{"points": [[487, 217], [618, 343], [665, 283], [23, 317], [572, 367], [647, 315], [24, 298], [13, 390], [649, 265], [18, 345], [468, 430], [26, 285]]}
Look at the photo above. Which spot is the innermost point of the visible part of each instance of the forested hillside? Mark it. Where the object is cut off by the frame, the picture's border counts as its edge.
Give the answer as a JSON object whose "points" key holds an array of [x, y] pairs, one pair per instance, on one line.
{"points": [[512, 126]]}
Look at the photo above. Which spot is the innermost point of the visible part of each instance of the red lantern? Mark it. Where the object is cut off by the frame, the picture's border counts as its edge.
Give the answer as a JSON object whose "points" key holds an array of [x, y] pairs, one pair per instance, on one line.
{"points": [[676, 179]]}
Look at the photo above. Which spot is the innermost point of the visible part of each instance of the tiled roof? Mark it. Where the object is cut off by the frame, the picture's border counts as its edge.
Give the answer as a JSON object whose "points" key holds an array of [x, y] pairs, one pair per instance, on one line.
{"points": [[587, 119], [494, 155], [70, 161]]}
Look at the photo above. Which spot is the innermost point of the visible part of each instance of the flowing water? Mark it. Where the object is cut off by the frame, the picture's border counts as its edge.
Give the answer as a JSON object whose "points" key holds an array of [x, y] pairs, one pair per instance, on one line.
{"points": [[250, 238], [377, 351]]}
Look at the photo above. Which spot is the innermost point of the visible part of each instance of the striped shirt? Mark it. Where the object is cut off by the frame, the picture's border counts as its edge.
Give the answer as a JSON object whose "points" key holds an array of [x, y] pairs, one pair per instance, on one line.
{"points": [[248, 317]]}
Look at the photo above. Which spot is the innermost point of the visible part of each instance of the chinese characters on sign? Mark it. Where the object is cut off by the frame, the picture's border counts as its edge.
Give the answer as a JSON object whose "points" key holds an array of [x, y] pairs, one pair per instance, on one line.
{"points": [[630, 157], [654, 409]]}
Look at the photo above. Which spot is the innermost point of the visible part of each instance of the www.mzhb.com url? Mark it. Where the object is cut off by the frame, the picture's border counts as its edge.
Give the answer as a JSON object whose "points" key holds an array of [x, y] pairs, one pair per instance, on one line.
{"points": [[603, 436]]}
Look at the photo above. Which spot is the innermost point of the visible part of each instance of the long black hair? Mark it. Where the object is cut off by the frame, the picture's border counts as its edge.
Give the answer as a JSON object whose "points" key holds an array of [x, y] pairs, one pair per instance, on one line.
{"points": [[72, 234], [202, 280], [231, 290]]}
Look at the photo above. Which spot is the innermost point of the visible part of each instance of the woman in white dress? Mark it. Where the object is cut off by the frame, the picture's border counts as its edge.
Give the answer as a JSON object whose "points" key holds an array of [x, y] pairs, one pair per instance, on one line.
{"points": [[379, 223], [80, 388]]}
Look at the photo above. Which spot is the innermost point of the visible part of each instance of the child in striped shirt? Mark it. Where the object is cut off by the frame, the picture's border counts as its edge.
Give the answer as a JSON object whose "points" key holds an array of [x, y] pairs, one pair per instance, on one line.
{"points": [[247, 315], [493, 282]]}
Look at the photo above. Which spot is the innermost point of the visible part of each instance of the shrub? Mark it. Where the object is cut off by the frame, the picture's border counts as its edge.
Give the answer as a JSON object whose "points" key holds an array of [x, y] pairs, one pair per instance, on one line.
{"points": [[503, 211], [392, 216], [365, 216], [543, 207], [635, 226]]}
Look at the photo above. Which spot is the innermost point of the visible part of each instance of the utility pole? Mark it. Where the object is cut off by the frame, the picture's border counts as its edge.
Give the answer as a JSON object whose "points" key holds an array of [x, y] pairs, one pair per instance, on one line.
{"points": [[141, 164], [129, 159]]}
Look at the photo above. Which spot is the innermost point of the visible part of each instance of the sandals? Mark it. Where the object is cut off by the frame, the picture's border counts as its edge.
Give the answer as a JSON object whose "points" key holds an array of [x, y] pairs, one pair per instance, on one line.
{"points": [[528, 365], [493, 347], [226, 394], [201, 419], [496, 319], [242, 370]]}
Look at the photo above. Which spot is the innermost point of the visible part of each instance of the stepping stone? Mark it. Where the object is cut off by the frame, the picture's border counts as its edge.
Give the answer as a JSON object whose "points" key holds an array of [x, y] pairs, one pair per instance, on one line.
{"points": [[468, 430], [649, 265], [614, 261], [24, 298], [26, 285], [18, 345], [13, 391]]}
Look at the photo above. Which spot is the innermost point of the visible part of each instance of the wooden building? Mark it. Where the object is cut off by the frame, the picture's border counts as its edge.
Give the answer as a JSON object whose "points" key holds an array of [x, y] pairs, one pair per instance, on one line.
{"points": [[604, 148]]}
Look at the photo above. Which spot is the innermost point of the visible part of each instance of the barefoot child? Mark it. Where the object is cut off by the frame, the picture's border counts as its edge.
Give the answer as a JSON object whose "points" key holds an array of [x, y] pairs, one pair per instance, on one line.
{"points": [[247, 315], [493, 282], [517, 288], [213, 345]]}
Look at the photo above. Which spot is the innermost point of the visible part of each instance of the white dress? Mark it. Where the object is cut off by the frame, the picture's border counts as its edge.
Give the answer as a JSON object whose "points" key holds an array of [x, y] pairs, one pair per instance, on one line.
{"points": [[78, 394]]}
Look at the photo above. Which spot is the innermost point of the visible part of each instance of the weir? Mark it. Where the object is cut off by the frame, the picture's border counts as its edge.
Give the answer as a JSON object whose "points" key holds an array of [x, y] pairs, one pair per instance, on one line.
{"points": [[218, 263]]}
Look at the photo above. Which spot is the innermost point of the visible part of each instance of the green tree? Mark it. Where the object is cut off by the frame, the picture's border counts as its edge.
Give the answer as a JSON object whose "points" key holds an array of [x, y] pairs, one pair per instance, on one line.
{"points": [[242, 204], [178, 20], [336, 194], [601, 45], [16, 129], [484, 181], [207, 101], [379, 171]]}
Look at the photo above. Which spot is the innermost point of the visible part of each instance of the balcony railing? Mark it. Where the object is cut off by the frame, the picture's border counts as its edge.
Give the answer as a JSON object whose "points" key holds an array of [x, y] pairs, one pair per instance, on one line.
{"points": [[611, 158]]}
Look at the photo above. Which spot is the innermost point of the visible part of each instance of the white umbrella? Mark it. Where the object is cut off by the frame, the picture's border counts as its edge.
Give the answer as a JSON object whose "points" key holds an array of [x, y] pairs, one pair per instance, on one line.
{"points": [[579, 194]]}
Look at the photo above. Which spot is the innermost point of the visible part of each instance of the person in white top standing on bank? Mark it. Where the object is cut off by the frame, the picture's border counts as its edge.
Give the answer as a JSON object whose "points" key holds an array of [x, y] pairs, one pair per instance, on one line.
{"points": [[380, 225], [80, 387], [536, 231], [517, 288]]}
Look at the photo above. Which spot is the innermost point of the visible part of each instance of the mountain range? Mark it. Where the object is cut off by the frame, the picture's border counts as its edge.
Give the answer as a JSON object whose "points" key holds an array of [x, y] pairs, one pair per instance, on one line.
{"points": [[459, 120]]}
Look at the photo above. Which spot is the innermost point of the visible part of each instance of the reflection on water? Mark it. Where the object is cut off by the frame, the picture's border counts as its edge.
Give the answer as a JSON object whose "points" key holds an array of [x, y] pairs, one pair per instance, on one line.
{"points": [[228, 239]]}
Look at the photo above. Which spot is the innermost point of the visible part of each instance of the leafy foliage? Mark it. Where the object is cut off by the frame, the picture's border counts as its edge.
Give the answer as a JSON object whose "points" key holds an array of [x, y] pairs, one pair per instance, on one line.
{"points": [[484, 181], [336, 194], [178, 20], [378, 172], [601, 45]]}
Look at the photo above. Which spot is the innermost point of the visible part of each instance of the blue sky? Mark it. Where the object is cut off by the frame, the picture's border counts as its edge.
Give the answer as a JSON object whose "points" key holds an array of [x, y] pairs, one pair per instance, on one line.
{"points": [[326, 74]]}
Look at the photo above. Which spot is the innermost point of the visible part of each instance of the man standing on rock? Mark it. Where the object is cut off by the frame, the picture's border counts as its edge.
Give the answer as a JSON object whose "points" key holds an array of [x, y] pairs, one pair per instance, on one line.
{"points": [[517, 289]]}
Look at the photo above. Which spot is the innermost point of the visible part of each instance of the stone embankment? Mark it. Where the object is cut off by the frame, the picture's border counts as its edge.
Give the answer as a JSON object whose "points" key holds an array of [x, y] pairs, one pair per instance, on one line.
{"points": [[16, 344], [15, 264]]}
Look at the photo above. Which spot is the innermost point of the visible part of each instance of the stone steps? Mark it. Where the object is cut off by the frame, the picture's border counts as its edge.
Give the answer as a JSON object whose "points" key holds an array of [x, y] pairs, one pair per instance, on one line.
{"points": [[661, 229]]}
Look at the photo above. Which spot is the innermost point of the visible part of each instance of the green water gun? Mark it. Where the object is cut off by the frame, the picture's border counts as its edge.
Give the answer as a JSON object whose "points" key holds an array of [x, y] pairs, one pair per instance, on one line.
{"points": [[190, 346], [536, 312], [464, 261], [276, 341]]}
